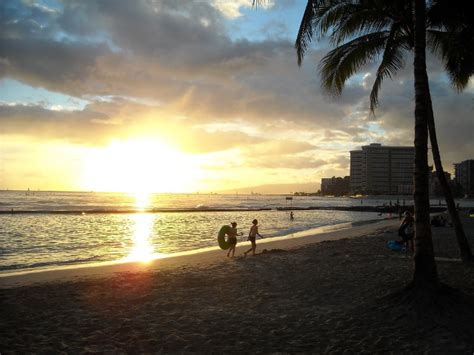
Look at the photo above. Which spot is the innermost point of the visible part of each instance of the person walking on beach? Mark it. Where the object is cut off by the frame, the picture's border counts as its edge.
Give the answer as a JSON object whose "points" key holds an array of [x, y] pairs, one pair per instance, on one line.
{"points": [[232, 239], [406, 230], [252, 237]]}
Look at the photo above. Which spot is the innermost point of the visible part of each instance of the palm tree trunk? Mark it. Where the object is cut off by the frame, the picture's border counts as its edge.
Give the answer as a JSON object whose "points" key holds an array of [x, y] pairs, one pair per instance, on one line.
{"points": [[425, 274], [466, 254]]}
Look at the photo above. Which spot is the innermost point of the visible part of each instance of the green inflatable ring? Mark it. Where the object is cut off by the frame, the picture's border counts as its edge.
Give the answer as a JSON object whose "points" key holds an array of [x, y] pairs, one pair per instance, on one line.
{"points": [[223, 243]]}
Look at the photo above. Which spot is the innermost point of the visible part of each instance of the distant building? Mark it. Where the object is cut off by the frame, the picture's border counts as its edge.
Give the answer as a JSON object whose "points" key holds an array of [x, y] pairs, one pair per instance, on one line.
{"points": [[464, 175], [382, 170], [435, 185], [335, 186]]}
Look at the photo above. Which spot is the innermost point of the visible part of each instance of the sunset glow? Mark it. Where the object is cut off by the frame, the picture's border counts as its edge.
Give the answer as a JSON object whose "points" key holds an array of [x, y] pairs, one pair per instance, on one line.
{"points": [[114, 98], [139, 166], [142, 249]]}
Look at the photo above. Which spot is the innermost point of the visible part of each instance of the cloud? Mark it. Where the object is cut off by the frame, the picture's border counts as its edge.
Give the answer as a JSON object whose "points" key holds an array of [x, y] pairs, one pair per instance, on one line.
{"points": [[179, 56], [231, 8], [279, 147], [101, 122], [81, 127], [57, 66], [287, 162], [199, 142]]}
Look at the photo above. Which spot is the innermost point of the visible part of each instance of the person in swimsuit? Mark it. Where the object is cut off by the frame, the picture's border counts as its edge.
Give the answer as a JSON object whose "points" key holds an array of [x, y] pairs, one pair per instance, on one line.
{"points": [[232, 238], [406, 231], [252, 236]]}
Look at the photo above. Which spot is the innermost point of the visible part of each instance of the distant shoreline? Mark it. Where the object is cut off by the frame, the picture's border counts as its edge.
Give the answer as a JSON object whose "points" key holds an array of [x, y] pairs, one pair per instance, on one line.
{"points": [[378, 209], [132, 211]]}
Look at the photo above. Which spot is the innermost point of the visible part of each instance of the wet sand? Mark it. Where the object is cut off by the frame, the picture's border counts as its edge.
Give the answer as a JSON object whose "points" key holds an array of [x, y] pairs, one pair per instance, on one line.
{"points": [[196, 258], [322, 297]]}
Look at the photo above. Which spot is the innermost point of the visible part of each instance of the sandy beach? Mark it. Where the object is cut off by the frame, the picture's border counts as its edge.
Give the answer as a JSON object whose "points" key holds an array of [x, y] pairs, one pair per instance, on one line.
{"points": [[294, 296]]}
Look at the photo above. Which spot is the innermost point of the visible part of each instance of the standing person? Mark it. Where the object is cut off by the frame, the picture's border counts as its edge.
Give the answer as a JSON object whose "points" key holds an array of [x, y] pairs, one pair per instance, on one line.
{"points": [[252, 236], [232, 239], [292, 216], [406, 230]]}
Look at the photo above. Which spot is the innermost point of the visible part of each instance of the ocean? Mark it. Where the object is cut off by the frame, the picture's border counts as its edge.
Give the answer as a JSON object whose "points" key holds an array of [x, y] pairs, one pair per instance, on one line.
{"points": [[44, 230]]}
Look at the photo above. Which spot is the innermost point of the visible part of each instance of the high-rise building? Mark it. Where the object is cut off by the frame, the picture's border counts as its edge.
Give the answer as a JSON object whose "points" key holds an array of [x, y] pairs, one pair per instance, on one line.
{"points": [[435, 186], [336, 186], [382, 170], [464, 175]]}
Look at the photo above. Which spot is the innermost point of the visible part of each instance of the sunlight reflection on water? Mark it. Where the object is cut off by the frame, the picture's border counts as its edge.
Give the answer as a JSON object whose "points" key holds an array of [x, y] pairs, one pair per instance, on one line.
{"points": [[42, 240], [142, 249]]}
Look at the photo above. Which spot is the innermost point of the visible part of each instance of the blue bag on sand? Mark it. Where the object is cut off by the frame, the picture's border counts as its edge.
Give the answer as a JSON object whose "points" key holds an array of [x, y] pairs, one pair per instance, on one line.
{"points": [[395, 245]]}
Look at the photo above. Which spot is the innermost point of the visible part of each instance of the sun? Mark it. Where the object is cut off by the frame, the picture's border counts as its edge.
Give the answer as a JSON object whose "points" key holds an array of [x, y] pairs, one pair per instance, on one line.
{"points": [[139, 166]]}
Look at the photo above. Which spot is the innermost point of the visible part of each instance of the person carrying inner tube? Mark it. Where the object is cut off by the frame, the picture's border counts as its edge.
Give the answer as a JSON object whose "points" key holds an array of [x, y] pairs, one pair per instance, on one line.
{"points": [[232, 239], [252, 236]]}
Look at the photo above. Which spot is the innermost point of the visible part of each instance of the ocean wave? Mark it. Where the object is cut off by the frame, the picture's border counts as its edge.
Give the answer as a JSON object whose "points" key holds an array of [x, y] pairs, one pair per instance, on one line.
{"points": [[131, 211], [13, 267]]}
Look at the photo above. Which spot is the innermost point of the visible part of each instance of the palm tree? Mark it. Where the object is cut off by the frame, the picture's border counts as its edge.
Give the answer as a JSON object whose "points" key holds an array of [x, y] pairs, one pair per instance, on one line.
{"points": [[451, 37], [388, 28], [361, 31], [425, 274]]}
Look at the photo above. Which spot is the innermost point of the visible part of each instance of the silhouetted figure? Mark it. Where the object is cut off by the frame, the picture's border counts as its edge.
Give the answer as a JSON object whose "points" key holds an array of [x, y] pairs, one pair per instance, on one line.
{"points": [[232, 238], [438, 221], [292, 216], [252, 237], [406, 230]]}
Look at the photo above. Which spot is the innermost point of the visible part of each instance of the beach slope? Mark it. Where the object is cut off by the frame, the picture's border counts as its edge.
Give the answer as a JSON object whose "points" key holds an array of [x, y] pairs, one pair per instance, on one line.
{"points": [[331, 296]]}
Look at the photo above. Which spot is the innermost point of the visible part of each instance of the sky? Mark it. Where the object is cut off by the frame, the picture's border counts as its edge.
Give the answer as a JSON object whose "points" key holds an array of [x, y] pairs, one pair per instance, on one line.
{"points": [[191, 96]]}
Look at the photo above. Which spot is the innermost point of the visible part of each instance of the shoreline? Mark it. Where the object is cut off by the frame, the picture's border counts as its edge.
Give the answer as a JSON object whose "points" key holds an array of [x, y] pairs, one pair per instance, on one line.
{"points": [[198, 257], [333, 296]]}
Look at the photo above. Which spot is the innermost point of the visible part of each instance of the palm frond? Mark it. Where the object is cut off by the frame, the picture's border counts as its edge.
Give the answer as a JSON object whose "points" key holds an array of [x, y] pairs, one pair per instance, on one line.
{"points": [[313, 22], [457, 53], [305, 32], [361, 21], [342, 62], [331, 13], [341, 19], [392, 61]]}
